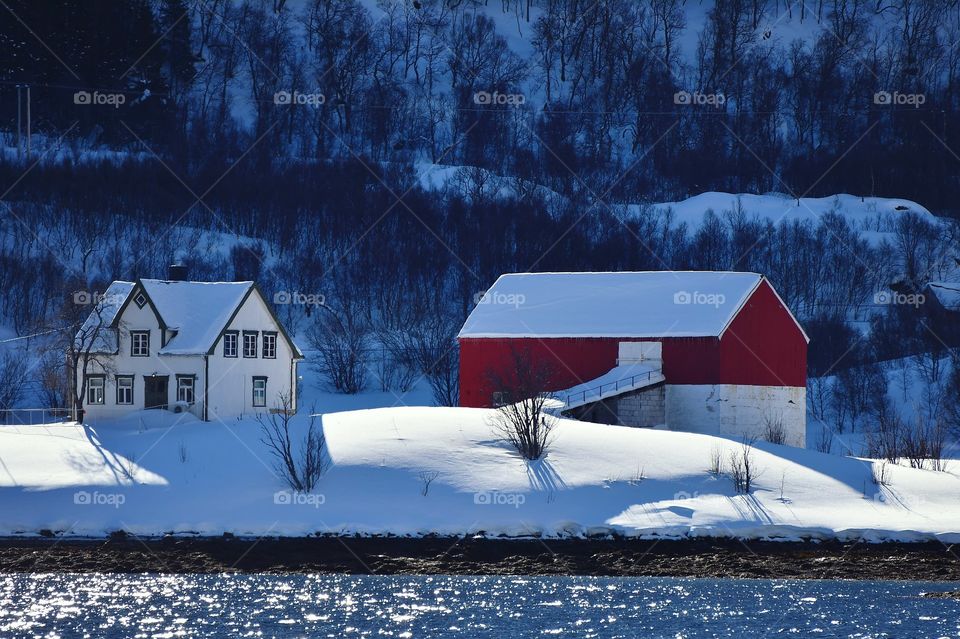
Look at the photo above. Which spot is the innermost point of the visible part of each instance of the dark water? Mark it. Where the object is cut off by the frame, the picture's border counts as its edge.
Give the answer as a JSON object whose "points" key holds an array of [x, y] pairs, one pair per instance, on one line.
{"points": [[58, 605]]}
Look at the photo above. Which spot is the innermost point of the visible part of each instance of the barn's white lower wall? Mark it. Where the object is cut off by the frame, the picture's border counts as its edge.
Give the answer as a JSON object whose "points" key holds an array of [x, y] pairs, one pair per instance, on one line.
{"points": [[737, 410]]}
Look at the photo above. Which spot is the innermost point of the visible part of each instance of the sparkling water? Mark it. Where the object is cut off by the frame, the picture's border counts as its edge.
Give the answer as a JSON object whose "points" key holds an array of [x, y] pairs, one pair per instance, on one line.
{"points": [[150, 605]]}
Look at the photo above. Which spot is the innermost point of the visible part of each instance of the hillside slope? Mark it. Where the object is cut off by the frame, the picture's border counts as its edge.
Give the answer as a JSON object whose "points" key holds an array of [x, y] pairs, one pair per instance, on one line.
{"points": [[151, 474]]}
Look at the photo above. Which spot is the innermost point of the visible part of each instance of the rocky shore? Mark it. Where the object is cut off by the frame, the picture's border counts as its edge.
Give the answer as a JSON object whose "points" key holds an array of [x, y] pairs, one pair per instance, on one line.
{"points": [[485, 556]]}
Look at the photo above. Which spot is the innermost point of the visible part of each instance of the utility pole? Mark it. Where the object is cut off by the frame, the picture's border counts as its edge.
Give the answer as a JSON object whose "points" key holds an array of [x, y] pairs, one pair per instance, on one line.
{"points": [[28, 122], [19, 108]]}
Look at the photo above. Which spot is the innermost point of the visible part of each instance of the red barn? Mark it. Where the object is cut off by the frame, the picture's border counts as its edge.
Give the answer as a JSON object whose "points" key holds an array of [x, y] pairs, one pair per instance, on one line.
{"points": [[712, 352]]}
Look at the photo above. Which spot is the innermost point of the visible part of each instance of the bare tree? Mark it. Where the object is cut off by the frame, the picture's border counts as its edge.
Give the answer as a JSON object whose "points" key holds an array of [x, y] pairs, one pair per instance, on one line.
{"points": [[433, 345], [521, 392], [923, 443], [301, 469], [13, 369], [342, 341], [90, 340], [824, 443]]}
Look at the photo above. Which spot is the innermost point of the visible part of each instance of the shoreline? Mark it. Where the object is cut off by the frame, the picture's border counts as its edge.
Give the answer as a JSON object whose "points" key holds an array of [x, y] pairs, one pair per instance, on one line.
{"points": [[706, 557]]}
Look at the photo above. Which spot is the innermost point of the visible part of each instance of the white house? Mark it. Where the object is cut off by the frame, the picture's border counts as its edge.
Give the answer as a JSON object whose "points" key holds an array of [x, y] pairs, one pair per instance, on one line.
{"points": [[215, 349]]}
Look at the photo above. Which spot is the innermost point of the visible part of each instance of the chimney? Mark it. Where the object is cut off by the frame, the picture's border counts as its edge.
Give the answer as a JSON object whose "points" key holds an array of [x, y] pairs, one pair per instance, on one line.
{"points": [[177, 273]]}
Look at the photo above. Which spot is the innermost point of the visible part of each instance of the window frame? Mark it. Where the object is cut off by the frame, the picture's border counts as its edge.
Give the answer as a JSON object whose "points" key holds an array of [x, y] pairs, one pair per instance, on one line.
{"points": [[263, 347], [192, 387], [236, 344], [103, 389], [117, 380], [133, 342], [256, 344], [253, 398]]}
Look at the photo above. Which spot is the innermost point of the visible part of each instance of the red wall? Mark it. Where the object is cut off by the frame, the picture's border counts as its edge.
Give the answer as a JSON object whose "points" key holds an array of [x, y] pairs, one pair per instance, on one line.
{"points": [[762, 346]]}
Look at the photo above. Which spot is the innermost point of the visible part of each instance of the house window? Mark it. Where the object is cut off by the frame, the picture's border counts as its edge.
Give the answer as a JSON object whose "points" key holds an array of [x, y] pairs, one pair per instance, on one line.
{"points": [[140, 343], [185, 384], [259, 391], [249, 343], [95, 386], [270, 345], [140, 300], [501, 398], [230, 344], [124, 389]]}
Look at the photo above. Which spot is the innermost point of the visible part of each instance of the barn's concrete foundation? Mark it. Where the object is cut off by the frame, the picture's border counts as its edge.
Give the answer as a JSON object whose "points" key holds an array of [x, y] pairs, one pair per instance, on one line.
{"points": [[737, 410], [642, 408]]}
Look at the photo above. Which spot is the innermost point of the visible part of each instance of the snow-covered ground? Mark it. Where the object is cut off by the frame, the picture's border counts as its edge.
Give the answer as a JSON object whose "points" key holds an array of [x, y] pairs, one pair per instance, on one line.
{"points": [[874, 217], [419, 470]]}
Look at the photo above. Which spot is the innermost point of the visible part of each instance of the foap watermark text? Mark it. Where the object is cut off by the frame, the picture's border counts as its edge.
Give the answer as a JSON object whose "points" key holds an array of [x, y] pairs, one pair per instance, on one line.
{"points": [[699, 298]]}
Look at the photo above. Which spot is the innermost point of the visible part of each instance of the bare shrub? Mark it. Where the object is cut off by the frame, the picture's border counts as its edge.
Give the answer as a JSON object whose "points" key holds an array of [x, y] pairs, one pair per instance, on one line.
{"points": [[521, 419], [426, 478], [743, 471], [824, 443], [302, 469], [773, 429], [923, 444], [182, 453], [715, 466], [880, 473]]}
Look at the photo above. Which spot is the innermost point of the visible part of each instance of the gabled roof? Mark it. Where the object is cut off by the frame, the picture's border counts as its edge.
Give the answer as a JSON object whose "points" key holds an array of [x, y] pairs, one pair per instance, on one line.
{"points": [[197, 312], [620, 304], [947, 293]]}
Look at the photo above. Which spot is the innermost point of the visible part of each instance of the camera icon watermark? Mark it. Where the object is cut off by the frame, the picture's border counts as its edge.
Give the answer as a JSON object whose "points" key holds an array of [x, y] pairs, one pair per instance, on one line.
{"points": [[492, 297], [894, 298], [715, 300], [895, 98], [486, 98], [96, 498], [292, 498], [86, 298], [96, 98], [496, 498], [296, 98], [697, 98], [283, 298]]}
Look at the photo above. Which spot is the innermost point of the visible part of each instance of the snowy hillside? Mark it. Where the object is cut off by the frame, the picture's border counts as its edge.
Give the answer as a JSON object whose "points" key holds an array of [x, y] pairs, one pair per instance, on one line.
{"points": [[440, 470], [875, 217]]}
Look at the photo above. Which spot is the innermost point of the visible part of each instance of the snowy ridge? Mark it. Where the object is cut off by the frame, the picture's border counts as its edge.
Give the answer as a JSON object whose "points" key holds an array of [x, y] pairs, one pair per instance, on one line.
{"points": [[595, 480]]}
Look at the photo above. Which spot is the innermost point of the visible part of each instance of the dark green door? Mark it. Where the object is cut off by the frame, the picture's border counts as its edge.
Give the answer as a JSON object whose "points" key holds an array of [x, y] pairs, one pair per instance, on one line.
{"points": [[155, 391]]}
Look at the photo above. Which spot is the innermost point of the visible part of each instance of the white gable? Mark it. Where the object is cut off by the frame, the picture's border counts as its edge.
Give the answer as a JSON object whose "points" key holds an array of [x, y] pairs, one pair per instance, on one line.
{"points": [[623, 304]]}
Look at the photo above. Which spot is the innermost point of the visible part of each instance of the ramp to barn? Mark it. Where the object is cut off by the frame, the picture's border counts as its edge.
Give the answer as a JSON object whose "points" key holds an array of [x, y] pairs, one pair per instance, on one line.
{"points": [[625, 378]]}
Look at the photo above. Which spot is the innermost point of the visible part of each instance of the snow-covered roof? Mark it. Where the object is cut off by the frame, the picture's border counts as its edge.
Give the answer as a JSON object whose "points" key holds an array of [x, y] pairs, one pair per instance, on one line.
{"points": [[97, 326], [197, 311], [620, 304], [947, 293]]}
